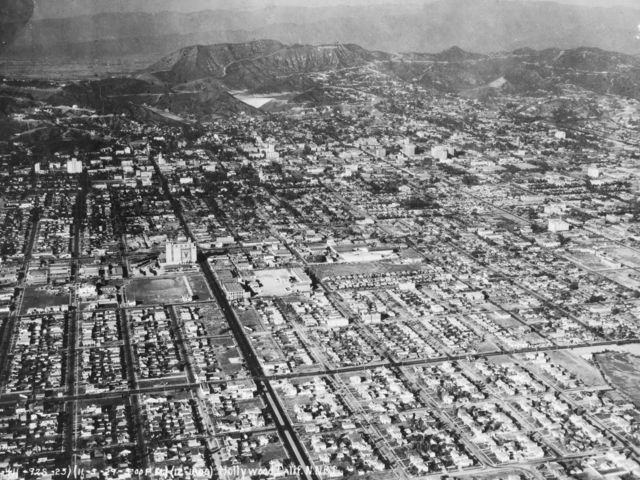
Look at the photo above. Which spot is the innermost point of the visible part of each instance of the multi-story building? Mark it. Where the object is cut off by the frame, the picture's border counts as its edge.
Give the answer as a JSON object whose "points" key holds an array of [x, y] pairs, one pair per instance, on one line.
{"points": [[181, 253]]}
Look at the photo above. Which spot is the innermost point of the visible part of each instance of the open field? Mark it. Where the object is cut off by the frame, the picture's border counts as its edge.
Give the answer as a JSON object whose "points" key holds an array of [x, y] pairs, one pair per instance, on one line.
{"points": [[153, 291], [157, 291], [35, 297], [621, 370]]}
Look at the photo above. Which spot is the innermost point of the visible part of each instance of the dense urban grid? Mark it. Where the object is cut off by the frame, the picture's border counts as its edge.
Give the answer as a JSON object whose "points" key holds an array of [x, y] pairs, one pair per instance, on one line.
{"points": [[382, 283]]}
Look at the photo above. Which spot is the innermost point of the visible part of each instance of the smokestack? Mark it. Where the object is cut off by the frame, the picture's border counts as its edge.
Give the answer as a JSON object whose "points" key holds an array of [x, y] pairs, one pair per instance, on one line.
{"points": [[14, 15]]}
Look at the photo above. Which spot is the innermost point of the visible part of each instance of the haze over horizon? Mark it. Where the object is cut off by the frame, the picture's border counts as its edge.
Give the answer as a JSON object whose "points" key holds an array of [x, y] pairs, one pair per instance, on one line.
{"points": [[126, 35], [66, 8]]}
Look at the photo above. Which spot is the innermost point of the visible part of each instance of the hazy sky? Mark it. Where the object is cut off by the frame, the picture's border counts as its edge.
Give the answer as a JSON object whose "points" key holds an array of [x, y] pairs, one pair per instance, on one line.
{"points": [[603, 3], [63, 8]]}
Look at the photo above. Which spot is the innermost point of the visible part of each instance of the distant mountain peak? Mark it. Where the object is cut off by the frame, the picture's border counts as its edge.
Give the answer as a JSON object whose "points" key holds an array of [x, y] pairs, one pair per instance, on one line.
{"points": [[255, 65], [202, 61], [457, 54]]}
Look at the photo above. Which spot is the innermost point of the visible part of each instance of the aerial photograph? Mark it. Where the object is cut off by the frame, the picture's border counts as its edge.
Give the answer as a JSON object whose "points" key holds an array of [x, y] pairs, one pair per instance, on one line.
{"points": [[314, 240]]}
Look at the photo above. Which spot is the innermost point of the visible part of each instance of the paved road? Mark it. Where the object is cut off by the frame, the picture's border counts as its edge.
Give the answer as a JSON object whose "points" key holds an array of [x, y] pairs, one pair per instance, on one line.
{"points": [[283, 423], [11, 323]]}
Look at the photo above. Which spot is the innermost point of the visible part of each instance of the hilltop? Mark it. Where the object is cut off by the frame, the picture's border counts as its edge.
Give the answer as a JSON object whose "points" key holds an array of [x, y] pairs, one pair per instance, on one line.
{"points": [[259, 64]]}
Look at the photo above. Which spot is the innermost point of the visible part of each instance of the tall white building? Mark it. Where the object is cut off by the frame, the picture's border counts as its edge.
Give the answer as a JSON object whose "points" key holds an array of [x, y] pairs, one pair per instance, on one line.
{"points": [[408, 148], [181, 253], [440, 153], [74, 166], [269, 150]]}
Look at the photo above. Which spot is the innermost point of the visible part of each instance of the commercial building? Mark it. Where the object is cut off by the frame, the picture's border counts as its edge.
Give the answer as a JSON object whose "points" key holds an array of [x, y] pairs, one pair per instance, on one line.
{"points": [[181, 253], [74, 166]]}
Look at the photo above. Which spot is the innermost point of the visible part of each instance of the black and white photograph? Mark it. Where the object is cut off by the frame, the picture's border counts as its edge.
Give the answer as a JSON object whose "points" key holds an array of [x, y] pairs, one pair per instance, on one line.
{"points": [[320, 240]]}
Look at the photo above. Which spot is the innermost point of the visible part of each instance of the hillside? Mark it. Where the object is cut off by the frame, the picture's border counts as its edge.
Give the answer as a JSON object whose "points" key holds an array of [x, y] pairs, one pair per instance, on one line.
{"points": [[523, 71], [259, 65], [127, 95], [195, 82], [199, 61]]}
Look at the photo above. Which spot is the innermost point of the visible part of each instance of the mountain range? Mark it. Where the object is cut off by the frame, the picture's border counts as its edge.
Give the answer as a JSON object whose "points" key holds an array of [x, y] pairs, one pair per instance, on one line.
{"points": [[201, 80], [268, 66], [265, 65], [477, 25]]}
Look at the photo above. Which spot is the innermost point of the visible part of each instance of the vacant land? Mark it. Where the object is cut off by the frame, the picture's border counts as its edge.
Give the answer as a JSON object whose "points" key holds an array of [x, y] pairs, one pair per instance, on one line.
{"points": [[621, 370], [38, 297], [167, 290], [153, 291]]}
